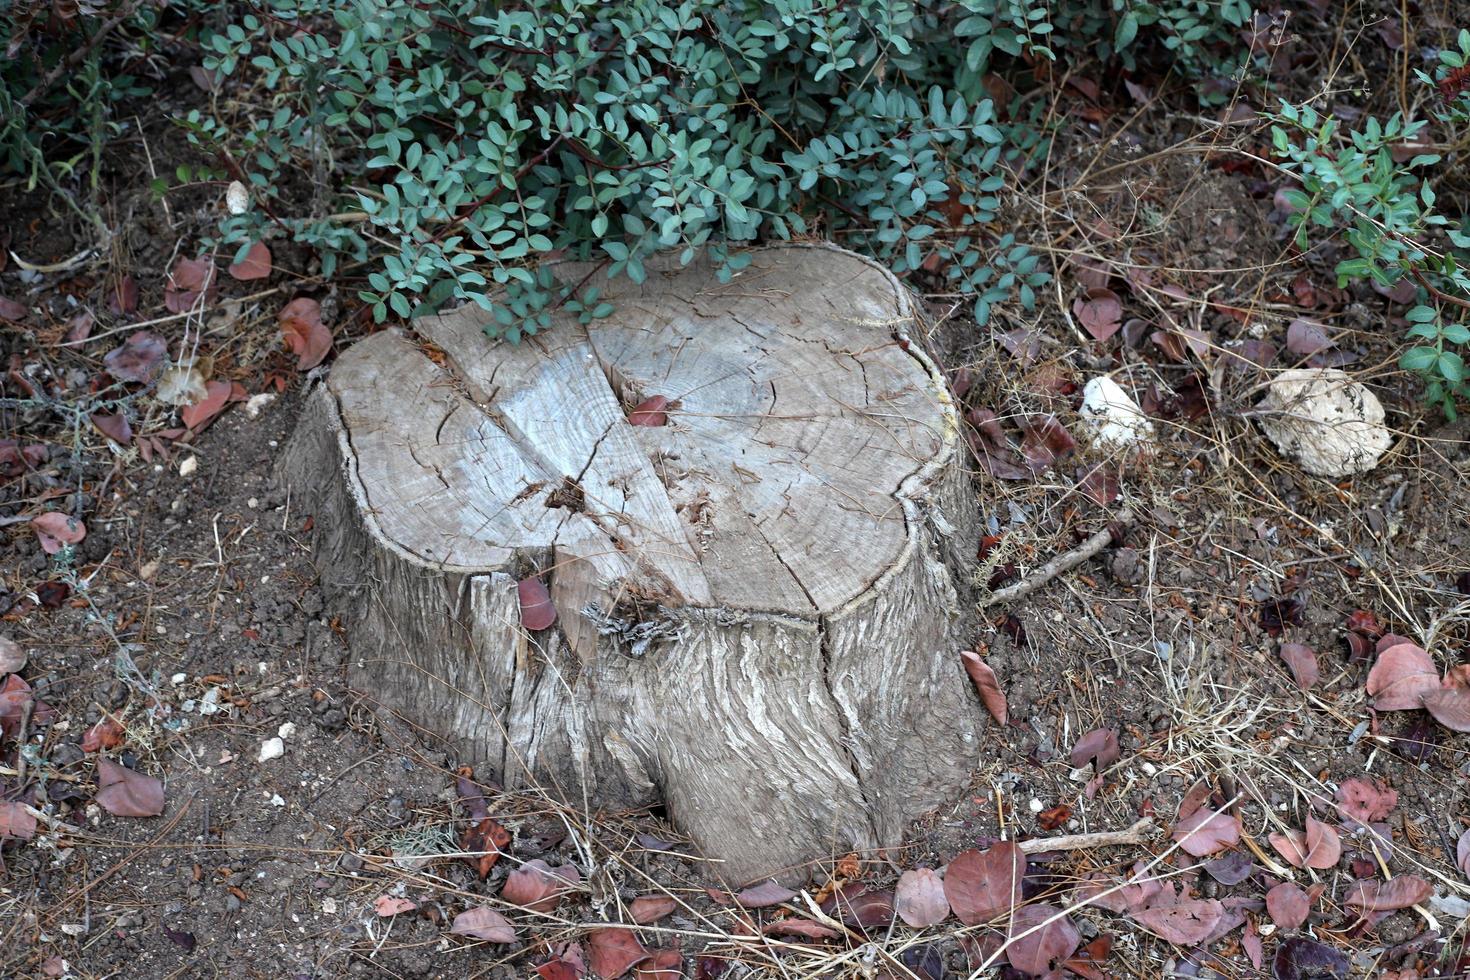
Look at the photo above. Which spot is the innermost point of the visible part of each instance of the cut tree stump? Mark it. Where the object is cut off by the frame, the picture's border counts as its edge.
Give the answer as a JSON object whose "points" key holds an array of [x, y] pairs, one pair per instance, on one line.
{"points": [[759, 603]]}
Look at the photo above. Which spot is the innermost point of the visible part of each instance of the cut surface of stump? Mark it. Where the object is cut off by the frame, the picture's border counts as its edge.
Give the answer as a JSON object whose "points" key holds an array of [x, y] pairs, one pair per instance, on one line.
{"points": [[757, 613]]}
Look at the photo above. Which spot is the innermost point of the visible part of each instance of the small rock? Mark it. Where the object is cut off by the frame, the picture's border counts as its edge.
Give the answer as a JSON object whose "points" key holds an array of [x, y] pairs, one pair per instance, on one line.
{"points": [[1125, 566], [286, 730], [256, 403], [237, 198], [272, 748], [1113, 416], [189, 466], [12, 657], [1324, 421]]}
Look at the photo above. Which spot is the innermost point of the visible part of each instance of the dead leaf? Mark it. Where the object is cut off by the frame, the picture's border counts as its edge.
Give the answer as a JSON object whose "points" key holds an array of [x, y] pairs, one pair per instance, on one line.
{"points": [[857, 904], [14, 693], [138, 358], [987, 685], [1303, 337], [123, 792], [1250, 941], [388, 905], [302, 328], [1319, 846], [650, 412], [1385, 896], [487, 836], [1039, 936], [1300, 958], [114, 425], [763, 895], [1450, 706], [663, 964], [106, 734], [1053, 817], [1462, 854], [650, 908], [122, 296], [1184, 923], [613, 951], [919, 898], [217, 394], [1100, 312], [537, 610], [981, 885], [11, 310], [805, 928], [189, 280], [1302, 660], [16, 821], [12, 657], [483, 923], [57, 530], [255, 265], [1288, 905], [1206, 831], [1099, 747], [1365, 800], [1401, 676], [537, 887]]}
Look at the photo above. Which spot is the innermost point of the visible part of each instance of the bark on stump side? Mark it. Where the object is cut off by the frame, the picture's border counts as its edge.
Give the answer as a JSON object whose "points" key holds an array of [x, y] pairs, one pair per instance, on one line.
{"points": [[759, 602]]}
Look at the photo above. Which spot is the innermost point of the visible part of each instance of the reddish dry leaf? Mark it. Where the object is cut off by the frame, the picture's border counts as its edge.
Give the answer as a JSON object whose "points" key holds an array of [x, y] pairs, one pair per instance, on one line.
{"points": [[138, 358], [1100, 483], [805, 928], [1250, 941], [1462, 854], [1386, 896], [488, 837], [106, 734], [255, 265], [1099, 747], [16, 821], [613, 951], [1089, 272], [1401, 676], [987, 685], [57, 530], [664, 964], [114, 425], [537, 887], [650, 412], [1288, 905], [217, 394], [537, 610], [1053, 817], [1206, 831], [1302, 660], [1303, 337], [389, 905], [122, 296], [1450, 706], [1045, 441], [11, 310], [1365, 800], [650, 908], [1184, 923], [125, 793], [187, 282], [1040, 935], [1100, 312], [302, 328], [14, 693], [558, 969], [483, 923], [1319, 846], [859, 905], [981, 885], [919, 898], [763, 895]]}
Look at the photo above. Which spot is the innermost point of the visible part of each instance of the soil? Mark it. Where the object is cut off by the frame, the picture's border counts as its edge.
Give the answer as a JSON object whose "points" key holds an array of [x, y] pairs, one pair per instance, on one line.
{"points": [[191, 615]]}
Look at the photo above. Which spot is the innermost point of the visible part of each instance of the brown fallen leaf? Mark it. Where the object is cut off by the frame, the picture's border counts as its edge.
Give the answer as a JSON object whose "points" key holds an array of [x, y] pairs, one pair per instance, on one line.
{"points": [[982, 885], [305, 334], [1040, 938], [255, 265], [487, 836], [1302, 660], [106, 734], [763, 895], [1099, 747], [613, 951], [16, 821], [919, 898], [1401, 676], [1288, 905], [650, 908], [113, 425], [1184, 923], [1365, 800], [987, 685], [390, 905], [124, 792], [650, 412], [805, 928], [1100, 312], [663, 964], [56, 530], [537, 887], [537, 610], [217, 395], [1319, 846], [1450, 706], [189, 280], [1206, 831], [1384, 896], [483, 923]]}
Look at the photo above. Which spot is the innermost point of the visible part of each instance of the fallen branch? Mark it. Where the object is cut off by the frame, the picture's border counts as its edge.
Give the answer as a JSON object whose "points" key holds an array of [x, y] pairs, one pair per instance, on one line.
{"points": [[1061, 563], [1139, 833]]}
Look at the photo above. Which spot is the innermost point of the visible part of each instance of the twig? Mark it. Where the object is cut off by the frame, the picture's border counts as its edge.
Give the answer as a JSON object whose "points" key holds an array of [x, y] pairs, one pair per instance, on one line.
{"points": [[75, 58], [20, 741], [55, 823], [1139, 833], [1061, 563]]}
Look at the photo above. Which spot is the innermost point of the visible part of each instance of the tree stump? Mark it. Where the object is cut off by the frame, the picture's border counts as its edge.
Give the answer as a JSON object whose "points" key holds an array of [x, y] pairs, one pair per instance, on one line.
{"points": [[759, 603]]}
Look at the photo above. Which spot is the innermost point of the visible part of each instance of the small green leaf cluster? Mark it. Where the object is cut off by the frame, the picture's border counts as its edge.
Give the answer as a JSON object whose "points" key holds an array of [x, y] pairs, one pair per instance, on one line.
{"points": [[1353, 186], [1452, 79]]}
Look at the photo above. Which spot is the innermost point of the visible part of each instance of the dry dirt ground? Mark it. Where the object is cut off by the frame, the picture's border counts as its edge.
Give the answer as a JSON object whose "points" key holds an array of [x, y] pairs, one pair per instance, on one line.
{"points": [[191, 616]]}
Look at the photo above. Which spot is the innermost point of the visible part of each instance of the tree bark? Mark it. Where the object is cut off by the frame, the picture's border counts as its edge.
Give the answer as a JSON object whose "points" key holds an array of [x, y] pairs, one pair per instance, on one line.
{"points": [[759, 603]]}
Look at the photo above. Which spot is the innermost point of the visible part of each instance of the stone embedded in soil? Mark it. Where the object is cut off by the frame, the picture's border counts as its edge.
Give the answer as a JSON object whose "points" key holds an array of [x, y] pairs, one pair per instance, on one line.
{"points": [[1325, 422], [272, 748], [1115, 420]]}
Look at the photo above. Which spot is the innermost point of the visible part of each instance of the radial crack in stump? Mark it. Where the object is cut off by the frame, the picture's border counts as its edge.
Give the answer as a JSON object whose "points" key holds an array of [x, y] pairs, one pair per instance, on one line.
{"points": [[758, 618]]}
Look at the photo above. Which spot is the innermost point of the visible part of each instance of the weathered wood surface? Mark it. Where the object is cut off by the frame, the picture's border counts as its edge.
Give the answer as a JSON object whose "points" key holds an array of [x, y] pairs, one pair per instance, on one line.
{"points": [[758, 602]]}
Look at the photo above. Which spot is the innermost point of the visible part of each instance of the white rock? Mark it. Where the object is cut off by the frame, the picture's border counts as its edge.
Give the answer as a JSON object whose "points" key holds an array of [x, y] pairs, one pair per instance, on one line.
{"points": [[1325, 422], [272, 748], [286, 730], [255, 403], [189, 466], [237, 198], [1113, 416]]}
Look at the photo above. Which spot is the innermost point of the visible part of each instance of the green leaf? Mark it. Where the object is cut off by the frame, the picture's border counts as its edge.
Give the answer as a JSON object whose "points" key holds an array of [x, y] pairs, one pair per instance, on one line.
{"points": [[1418, 359]]}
